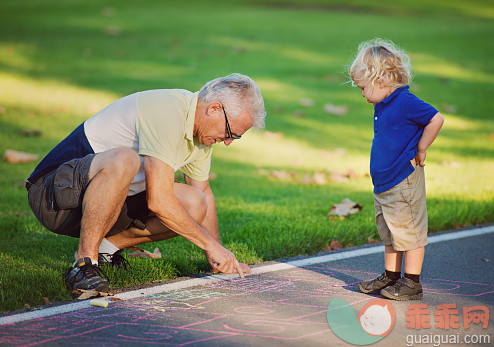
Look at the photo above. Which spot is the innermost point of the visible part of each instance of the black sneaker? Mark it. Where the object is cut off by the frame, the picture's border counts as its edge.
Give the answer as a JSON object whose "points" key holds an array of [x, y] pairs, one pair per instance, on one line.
{"points": [[116, 260], [107, 259], [85, 275], [403, 289], [376, 285]]}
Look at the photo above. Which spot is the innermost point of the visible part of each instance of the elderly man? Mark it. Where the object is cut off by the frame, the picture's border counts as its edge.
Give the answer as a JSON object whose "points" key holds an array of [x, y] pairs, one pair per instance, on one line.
{"points": [[110, 183]]}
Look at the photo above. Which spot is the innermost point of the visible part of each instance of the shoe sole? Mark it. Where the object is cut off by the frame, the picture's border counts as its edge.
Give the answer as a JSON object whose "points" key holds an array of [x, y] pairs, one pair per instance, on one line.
{"points": [[373, 291], [100, 288], [402, 298], [367, 291]]}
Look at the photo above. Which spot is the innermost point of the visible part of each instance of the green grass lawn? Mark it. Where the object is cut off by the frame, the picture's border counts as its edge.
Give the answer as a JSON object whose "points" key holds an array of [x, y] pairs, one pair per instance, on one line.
{"points": [[62, 61]]}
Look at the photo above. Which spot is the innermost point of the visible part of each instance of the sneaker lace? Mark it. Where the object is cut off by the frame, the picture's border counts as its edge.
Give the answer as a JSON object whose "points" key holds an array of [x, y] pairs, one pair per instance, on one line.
{"points": [[118, 260], [91, 270]]}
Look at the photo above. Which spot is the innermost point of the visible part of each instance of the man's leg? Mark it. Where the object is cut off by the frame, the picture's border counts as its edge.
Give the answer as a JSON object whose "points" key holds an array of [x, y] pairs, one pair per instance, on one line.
{"points": [[191, 198], [110, 176]]}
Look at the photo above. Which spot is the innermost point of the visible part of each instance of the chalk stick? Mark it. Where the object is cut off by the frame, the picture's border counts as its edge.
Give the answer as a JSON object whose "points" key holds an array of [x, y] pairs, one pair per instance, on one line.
{"points": [[99, 303]]}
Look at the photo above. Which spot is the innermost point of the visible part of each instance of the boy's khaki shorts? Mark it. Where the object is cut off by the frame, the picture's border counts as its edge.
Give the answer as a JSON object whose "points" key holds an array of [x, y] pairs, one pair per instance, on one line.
{"points": [[401, 213]]}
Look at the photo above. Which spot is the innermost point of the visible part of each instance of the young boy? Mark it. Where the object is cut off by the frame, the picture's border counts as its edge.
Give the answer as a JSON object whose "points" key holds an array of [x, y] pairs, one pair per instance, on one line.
{"points": [[404, 128]]}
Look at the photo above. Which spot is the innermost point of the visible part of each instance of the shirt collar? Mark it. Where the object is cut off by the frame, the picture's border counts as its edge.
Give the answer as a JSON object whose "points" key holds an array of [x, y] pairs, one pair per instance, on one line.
{"points": [[394, 94], [191, 115]]}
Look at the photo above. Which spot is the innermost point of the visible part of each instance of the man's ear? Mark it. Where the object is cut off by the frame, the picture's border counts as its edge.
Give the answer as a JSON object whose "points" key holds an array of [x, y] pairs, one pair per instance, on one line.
{"points": [[214, 108]]}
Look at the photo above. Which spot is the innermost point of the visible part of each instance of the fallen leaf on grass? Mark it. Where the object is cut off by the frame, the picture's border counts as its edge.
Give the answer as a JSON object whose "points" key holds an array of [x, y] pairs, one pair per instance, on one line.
{"points": [[47, 301], [449, 108], [108, 11], [306, 102], [338, 177], [112, 30], [281, 175], [335, 245], [27, 306], [371, 240], [142, 253], [30, 132], [298, 114], [320, 178], [491, 136], [239, 49], [306, 179], [336, 110], [15, 157], [278, 109], [345, 208]]}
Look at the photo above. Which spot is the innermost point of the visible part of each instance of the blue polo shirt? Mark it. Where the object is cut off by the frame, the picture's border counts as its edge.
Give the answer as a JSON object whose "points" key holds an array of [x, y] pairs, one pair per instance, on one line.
{"points": [[399, 121]]}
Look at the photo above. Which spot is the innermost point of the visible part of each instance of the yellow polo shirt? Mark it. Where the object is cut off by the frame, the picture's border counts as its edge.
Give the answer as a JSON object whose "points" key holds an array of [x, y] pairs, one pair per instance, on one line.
{"points": [[164, 128]]}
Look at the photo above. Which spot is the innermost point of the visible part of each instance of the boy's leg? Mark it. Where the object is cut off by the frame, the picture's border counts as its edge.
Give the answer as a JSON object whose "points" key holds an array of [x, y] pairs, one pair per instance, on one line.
{"points": [[413, 260], [408, 287], [413, 263], [392, 259]]}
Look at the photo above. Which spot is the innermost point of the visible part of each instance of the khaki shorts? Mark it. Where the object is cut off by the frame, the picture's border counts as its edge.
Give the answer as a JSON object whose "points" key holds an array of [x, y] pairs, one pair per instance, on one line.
{"points": [[56, 200], [401, 213]]}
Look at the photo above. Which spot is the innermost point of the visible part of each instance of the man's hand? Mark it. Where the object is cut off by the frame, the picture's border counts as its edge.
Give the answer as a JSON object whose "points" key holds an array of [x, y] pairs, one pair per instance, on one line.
{"points": [[214, 266], [222, 260], [420, 158]]}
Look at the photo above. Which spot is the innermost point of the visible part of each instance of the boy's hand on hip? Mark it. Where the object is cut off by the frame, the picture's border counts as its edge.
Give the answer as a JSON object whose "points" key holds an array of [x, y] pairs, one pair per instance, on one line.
{"points": [[420, 158]]}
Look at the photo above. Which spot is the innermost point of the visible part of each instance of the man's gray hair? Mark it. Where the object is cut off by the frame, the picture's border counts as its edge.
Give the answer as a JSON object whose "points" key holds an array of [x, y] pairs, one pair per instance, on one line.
{"points": [[237, 93]]}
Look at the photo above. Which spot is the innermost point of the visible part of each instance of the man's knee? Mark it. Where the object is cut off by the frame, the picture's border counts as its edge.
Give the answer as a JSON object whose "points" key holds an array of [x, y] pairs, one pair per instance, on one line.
{"points": [[118, 162], [126, 160]]}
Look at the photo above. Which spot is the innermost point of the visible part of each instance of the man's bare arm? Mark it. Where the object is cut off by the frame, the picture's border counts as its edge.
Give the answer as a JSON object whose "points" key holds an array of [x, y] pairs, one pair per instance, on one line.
{"points": [[210, 222], [168, 208]]}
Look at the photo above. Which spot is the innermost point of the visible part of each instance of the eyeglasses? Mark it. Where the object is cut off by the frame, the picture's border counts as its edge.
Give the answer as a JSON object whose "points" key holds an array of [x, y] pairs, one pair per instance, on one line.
{"points": [[229, 133]]}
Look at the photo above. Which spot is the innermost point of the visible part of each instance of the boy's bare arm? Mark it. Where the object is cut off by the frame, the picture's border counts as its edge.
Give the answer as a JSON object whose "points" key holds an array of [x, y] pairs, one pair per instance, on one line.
{"points": [[429, 135]]}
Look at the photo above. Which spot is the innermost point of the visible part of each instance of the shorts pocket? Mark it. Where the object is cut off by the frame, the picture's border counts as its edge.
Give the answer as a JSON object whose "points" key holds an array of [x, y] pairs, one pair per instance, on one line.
{"points": [[66, 186], [408, 186]]}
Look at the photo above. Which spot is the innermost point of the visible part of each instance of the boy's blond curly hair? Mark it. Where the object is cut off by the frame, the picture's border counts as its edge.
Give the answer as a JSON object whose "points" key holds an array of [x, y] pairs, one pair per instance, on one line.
{"points": [[381, 61]]}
